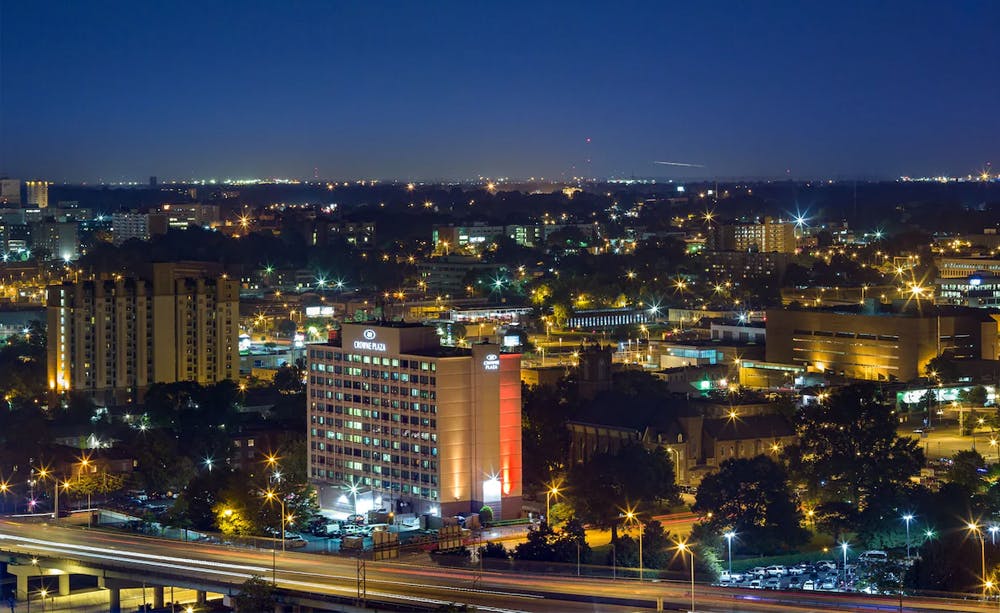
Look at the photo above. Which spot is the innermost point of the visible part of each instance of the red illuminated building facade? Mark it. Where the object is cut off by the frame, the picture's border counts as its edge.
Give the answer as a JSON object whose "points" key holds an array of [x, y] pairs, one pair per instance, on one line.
{"points": [[413, 426]]}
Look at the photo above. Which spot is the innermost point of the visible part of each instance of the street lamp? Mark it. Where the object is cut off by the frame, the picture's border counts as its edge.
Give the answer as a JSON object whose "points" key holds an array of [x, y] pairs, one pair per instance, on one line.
{"points": [[5, 489], [553, 490], [908, 518], [975, 529], [843, 547], [85, 463], [271, 495], [631, 517], [684, 547], [993, 533], [729, 534]]}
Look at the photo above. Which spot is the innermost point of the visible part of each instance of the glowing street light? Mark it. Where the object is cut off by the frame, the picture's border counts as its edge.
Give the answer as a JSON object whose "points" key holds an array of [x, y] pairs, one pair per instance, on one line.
{"points": [[553, 490], [683, 547], [908, 518], [630, 518], [844, 546], [729, 534], [271, 496], [974, 528]]}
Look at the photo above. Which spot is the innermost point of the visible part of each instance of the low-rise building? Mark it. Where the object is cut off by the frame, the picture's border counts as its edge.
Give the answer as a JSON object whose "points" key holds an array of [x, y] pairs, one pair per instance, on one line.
{"points": [[879, 342]]}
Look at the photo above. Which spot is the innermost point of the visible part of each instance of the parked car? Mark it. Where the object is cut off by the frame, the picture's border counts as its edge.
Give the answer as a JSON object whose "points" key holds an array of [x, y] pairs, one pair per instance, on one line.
{"points": [[874, 556], [808, 585], [727, 577], [773, 583], [754, 584], [826, 565], [797, 570], [776, 571]]}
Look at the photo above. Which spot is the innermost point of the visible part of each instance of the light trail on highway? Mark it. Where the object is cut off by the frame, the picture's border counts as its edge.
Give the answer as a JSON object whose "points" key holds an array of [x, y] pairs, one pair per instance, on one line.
{"points": [[496, 592]]}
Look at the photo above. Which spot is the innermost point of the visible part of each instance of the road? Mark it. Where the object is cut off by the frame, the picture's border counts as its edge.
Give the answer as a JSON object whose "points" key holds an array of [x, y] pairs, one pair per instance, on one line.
{"points": [[426, 584]]}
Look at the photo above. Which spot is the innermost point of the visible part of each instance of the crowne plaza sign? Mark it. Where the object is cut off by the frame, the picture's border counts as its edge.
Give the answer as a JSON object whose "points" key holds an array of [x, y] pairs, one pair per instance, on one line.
{"points": [[369, 341]]}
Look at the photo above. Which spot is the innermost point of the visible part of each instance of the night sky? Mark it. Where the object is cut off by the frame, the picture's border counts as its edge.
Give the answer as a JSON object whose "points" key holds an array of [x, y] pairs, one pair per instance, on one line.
{"points": [[441, 90]]}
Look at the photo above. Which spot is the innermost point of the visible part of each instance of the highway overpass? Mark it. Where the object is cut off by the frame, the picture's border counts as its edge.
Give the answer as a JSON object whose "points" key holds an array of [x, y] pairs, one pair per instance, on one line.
{"points": [[333, 583]]}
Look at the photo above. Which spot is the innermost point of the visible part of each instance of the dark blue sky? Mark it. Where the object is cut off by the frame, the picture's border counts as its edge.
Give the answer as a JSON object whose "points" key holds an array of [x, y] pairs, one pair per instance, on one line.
{"points": [[423, 90]]}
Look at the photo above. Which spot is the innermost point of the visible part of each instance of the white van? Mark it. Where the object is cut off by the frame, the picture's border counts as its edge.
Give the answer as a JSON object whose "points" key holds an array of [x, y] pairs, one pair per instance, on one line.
{"points": [[873, 556]]}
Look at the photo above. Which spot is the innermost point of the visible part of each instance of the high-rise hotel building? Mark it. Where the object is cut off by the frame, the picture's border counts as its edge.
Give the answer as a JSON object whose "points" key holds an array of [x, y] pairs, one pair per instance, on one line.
{"points": [[111, 338], [424, 428]]}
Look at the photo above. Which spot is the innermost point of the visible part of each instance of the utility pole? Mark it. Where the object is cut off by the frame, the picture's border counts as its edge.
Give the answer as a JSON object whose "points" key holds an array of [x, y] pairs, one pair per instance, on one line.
{"points": [[362, 587]]}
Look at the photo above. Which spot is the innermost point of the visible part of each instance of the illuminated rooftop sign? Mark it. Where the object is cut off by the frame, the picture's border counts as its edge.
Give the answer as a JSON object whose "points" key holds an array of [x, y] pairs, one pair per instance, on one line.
{"points": [[369, 343]]}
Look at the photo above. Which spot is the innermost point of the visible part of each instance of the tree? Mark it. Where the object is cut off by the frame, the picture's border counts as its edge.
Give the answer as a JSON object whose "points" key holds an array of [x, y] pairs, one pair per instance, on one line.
{"points": [[561, 312], [232, 518], [286, 327], [943, 368], [974, 396], [536, 546], [624, 552], [544, 545], [486, 515], [835, 517], [544, 438], [570, 544], [752, 497], [599, 488], [656, 544], [288, 380], [849, 451], [256, 594], [201, 495], [98, 483], [494, 550], [964, 471]]}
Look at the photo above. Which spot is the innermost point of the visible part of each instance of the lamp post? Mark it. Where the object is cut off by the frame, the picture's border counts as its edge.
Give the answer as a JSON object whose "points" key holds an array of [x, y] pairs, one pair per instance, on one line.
{"points": [[975, 529], [993, 535], [843, 547], [44, 473], [994, 444], [5, 489], [272, 495], [684, 547], [631, 517], [85, 463], [990, 585], [729, 534], [553, 490], [908, 518]]}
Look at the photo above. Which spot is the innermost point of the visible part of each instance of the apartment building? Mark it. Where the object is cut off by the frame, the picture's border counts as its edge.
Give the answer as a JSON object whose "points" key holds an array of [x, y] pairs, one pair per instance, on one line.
{"points": [[113, 337]]}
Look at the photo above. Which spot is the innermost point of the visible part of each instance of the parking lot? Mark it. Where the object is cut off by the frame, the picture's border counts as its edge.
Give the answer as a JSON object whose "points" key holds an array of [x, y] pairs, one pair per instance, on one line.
{"points": [[823, 575]]}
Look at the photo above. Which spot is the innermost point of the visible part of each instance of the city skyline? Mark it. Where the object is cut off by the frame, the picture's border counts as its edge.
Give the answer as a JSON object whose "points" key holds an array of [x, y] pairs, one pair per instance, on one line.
{"points": [[395, 91]]}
